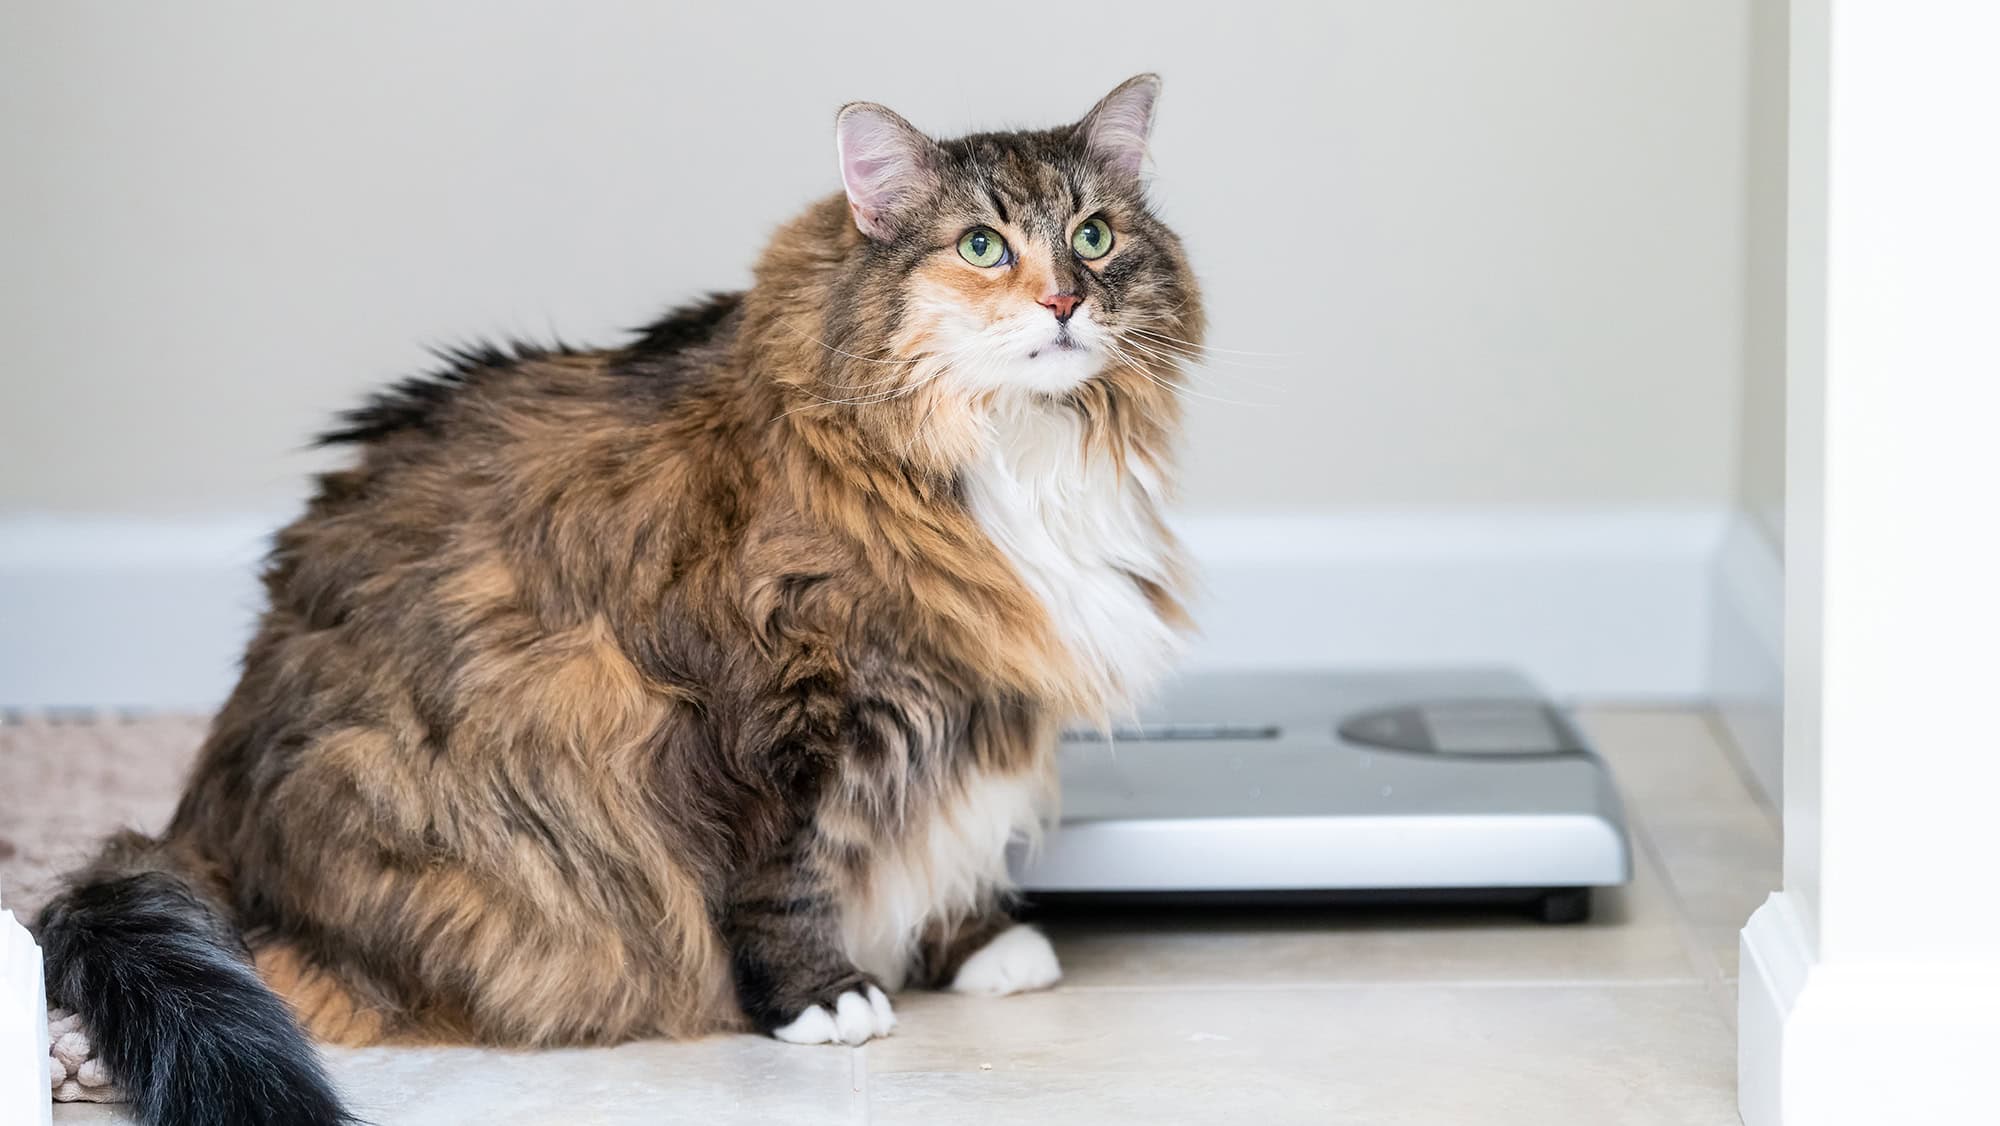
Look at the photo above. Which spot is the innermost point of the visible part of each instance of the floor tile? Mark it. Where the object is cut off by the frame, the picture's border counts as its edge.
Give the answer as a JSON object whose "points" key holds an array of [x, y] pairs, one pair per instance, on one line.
{"points": [[1673, 763], [1721, 873], [1715, 843], [721, 1079], [95, 1114], [1412, 1055]]}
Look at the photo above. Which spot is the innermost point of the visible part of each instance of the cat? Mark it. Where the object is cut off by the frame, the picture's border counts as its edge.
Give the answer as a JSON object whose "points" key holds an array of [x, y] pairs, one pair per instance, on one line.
{"points": [[692, 685]]}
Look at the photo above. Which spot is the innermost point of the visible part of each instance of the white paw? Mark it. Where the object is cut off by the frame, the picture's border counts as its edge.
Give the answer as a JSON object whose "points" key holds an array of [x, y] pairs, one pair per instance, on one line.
{"points": [[1017, 960], [854, 1018]]}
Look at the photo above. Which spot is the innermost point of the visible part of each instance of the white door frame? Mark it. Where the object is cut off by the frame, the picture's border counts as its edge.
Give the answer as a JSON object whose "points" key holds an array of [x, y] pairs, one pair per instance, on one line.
{"points": [[1871, 983]]}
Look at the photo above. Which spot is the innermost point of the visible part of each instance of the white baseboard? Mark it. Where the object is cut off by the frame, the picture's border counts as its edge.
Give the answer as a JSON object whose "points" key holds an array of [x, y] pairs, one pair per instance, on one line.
{"points": [[1602, 605], [1775, 958], [1860, 1041], [1596, 604], [1747, 649], [126, 613]]}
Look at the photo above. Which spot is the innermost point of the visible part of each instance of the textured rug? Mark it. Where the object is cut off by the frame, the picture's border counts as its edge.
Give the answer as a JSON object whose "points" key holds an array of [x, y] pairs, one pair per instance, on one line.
{"points": [[67, 780]]}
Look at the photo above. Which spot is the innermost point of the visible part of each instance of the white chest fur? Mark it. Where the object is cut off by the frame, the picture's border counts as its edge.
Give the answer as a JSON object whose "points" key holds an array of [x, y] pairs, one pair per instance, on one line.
{"points": [[1078, 528]]}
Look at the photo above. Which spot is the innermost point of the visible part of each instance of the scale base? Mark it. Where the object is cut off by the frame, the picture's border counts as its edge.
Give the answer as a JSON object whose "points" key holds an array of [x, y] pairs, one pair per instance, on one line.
{"points": [[1547, 905], [1365, 786]]}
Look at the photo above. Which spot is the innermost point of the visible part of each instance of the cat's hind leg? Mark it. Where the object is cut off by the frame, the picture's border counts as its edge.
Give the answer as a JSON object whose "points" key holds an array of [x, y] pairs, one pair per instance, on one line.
{"points": [[331, 1008], [1017, 960], [992, 955]]}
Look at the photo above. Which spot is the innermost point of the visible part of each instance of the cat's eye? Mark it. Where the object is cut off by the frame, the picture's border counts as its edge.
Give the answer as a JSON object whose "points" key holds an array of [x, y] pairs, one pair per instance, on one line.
{"points": [[982, 246], [1092, 240]]}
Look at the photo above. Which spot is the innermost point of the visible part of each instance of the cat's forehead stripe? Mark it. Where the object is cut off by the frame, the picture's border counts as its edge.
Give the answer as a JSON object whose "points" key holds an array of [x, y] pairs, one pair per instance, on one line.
{"points": [[1016, 177], [1032, 192]]}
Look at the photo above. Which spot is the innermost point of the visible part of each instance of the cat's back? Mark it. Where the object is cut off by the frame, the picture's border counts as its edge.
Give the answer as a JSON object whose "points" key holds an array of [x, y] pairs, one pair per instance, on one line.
{"points": [[488, 392], [541, 457], [515, 495], [477, 574]]}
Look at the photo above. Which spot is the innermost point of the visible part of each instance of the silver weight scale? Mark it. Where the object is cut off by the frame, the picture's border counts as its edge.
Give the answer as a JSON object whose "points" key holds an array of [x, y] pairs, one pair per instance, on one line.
{"points": [[1285, 785]]}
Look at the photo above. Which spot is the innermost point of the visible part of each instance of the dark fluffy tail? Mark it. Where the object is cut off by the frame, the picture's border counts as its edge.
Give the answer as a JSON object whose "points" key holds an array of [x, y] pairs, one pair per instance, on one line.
{"points": [[171, 1001]]}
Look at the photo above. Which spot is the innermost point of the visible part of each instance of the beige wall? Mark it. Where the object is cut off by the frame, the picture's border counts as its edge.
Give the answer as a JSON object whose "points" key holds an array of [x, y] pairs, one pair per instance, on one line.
{"points": [[1760, 481], [1498, 248]]}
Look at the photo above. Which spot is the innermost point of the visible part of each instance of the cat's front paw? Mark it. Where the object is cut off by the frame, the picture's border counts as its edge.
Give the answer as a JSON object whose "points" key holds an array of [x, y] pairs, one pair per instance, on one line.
{"points": [[855, 1017], [1017, 960]]}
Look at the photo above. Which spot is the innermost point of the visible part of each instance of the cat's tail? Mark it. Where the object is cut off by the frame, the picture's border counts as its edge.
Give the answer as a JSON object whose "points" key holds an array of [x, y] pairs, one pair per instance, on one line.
{"points": [[140, 945]]}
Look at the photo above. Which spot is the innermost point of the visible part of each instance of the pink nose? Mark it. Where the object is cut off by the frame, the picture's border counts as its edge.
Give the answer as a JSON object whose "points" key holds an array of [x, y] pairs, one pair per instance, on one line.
{"points": [[1062, 305]]}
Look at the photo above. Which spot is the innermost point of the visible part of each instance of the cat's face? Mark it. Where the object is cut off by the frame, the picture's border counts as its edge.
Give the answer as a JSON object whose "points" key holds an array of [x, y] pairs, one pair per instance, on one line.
{"points": [[1018, 262]]}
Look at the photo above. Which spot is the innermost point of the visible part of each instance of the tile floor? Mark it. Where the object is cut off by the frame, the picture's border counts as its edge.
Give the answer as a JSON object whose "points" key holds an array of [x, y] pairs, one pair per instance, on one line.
{"points": [[1411, 1017]]}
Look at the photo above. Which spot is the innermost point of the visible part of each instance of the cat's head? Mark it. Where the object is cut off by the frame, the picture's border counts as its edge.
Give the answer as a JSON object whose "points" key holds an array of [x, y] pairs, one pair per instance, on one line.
{"points": [[1003, 263]]}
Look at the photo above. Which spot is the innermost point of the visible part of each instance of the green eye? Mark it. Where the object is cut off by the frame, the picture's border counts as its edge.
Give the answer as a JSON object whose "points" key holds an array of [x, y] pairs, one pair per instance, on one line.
{"points": [[983, 246], [1093, 239]]}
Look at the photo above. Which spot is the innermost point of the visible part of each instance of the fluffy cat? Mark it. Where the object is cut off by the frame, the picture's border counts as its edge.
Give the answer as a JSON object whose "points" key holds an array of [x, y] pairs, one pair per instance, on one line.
{"points": [[692, 685]]}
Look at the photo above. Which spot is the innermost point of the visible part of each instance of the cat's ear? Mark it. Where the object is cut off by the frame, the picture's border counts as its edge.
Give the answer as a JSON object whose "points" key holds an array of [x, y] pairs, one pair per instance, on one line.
{"points": [[1115, 129], [885, 164]]}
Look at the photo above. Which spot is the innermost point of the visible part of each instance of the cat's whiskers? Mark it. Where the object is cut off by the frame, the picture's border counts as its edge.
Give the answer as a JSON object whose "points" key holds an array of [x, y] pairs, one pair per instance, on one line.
{"points": [[928, 367], [819, 400], [1196, 365], [1166, 338], [866, 384], [966, 359], [935, 365], [1138, 366], [804, 335], [919, 429], [1204, 355], [1148, 322], [1177, 360]]}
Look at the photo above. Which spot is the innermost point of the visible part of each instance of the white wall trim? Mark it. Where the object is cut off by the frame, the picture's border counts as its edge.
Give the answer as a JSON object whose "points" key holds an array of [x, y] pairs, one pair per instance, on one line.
{"points": [[1859, 1042], [153, 613], [1775, 960], [1746, 656], [1598, 604]]}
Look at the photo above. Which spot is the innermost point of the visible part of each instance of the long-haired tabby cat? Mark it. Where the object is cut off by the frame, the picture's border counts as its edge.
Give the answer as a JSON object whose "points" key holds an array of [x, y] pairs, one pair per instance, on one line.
{"points": [[691, 685]]}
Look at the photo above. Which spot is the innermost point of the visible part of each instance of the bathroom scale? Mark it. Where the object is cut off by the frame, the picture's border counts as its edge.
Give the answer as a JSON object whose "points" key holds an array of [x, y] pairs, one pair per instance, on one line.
{"points": [[1280, 786]]}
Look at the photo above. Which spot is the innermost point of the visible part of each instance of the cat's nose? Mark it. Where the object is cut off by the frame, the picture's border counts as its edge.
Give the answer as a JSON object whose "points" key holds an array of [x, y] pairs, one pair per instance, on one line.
{"points": [[1062, 305]]}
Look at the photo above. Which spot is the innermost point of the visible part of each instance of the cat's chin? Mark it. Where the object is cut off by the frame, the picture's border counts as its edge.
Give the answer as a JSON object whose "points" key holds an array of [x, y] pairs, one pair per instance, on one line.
{"points": [[1052, 370]]}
